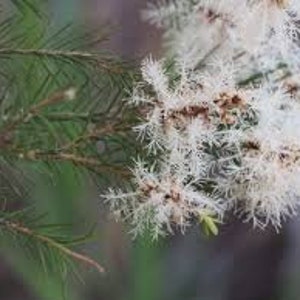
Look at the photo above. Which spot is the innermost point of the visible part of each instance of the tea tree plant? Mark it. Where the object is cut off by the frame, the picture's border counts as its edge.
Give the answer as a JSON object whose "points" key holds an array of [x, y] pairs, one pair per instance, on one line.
{"points": [[223, 120]]}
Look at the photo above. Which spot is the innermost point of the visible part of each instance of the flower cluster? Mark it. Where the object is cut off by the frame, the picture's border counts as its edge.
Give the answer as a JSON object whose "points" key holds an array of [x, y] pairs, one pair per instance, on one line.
{"points": [[246, 30], [223, 122], [160, 200]]}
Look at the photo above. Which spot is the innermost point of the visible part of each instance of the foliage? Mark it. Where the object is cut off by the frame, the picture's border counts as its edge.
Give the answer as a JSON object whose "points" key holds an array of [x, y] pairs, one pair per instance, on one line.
{"points": [[62, 121]]}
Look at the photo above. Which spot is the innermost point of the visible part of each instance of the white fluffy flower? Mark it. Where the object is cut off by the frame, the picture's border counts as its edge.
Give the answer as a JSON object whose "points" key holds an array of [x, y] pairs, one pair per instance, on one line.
{"points": [[187, 115], [264, 19], [223, 122], [265, 183], [161, 201], [228, 28]]}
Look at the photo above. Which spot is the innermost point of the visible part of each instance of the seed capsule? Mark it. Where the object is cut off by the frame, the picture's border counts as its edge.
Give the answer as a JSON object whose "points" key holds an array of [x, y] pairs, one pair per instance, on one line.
{"points": [[282, 3]]}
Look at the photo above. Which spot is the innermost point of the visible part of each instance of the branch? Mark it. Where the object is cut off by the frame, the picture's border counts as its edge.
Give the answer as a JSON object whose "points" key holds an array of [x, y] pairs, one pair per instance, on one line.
{"points": [[63, 54], [47, 240], [88, 162], [6, 133], [70, 116]]}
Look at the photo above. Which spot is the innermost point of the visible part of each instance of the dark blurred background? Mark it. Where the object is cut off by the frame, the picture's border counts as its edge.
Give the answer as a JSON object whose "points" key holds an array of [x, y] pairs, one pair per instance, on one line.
{"points": [[241, 263]]}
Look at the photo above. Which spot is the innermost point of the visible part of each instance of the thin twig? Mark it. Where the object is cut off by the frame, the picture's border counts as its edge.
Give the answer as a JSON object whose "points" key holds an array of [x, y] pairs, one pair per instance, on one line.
{"points": [[70, 116], [46, 52], [88, 162], [47, 240], [6, 133], [97, 133], [63, 54]]}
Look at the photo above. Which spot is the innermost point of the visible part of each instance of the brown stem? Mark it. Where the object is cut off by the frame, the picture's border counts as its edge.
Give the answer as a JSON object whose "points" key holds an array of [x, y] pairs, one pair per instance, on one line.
{"points": [[47, 240], [46, 52], [70, 116], [88, 162], [55, 98], [63, 54], [6, 133], [97, 133]]}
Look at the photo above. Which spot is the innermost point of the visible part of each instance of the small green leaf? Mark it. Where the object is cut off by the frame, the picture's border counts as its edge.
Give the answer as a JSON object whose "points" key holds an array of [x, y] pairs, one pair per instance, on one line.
{"points": [[209, 224]]}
